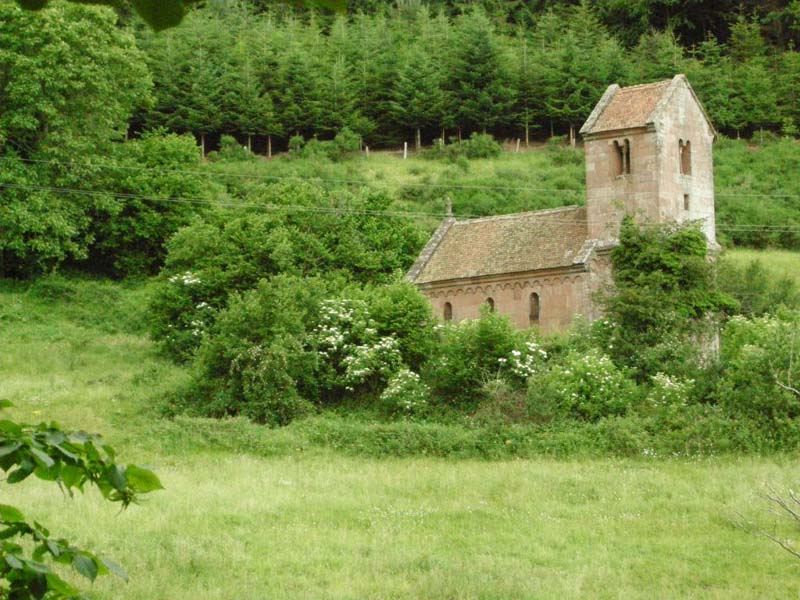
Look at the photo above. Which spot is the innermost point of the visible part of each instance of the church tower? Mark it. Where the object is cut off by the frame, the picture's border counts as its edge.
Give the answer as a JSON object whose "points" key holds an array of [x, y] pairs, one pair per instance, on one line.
{"points": [[649, 154]]}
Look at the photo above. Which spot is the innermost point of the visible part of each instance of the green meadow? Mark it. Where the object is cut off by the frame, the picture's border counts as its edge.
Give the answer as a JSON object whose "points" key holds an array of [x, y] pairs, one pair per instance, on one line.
{"points": [[251, 512]]}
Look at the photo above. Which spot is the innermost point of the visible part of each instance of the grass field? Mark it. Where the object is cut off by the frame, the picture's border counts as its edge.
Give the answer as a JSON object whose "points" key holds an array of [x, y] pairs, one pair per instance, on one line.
{"points": [[292, 521], [782, 263]]}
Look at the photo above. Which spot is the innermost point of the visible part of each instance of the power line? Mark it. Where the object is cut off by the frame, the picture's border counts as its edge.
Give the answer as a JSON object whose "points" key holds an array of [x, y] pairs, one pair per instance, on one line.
{"points": [[336, 210]]}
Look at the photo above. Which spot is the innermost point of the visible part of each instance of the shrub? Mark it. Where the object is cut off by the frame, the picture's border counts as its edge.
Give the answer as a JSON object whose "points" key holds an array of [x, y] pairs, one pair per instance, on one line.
{"points": [[582, 386], [760, 368], [254, 352], [469, 354], [406, 395], [479, 145], [351, 355], [755, 289], [130, 238], [229, 251], [230, 150]]}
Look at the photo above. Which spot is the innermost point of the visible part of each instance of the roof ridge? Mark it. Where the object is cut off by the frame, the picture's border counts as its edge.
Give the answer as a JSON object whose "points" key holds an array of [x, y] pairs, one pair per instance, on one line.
{"points": [[641, 85], [544, 211]]}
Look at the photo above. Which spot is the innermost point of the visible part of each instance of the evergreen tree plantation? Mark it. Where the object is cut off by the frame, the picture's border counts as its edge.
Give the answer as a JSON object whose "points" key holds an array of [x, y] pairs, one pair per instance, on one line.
{"points": [[207, 212]]}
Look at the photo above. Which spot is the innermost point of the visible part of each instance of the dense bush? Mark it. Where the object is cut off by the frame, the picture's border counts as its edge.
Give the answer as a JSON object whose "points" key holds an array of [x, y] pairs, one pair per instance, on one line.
{"points": [[158, 190], [586, 386], [662, 312], [479, 145], [230, 150], [471, 353], [760, 368], [300, 232]]}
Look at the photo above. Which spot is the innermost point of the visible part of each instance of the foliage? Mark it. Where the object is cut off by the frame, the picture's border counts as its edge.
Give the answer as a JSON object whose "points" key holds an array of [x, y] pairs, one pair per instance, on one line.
{"points": [[761, 369], [469, 354], [230, 150], [582, 386], [301, 232], [756, 289], [43, 127], [72, 460], [157, 192], [406, 395], [662, 312]]}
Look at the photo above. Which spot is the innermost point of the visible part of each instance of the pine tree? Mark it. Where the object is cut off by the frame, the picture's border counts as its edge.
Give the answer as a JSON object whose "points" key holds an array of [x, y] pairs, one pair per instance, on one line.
{"points": [[417, 97], [480, 81]]}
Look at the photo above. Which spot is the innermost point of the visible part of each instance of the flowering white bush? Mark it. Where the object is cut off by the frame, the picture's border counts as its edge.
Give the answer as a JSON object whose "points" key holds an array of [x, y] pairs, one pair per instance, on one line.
{"points": [[586, 385], [349, 347], [669, 391], [406, 394], [523, 363], [187, 278]]}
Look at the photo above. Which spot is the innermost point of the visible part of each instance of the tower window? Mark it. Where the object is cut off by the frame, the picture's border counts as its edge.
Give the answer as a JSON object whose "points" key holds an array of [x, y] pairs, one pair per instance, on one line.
{"points": [[685, 149], [621, 158], [490, 303], [448, 311], [686, 202], [617, 160], [534, 308], [626, 157]]}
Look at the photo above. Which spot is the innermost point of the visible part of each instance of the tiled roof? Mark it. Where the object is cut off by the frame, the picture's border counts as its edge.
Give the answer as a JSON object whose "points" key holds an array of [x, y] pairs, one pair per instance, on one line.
{"points": [[628, 107], [515, 243]]}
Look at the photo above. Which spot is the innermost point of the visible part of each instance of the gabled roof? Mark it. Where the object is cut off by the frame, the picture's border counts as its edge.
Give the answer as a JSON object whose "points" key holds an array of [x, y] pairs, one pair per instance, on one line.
{"points": [[634, 106], [521, 242]]}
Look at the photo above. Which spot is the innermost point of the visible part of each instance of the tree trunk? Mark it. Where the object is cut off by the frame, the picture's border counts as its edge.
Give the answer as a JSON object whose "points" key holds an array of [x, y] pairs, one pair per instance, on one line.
{"points": [[572, 136], [552, 131], [418, 140], [459, 133], [203, 145], [269, 146], [249, 142], [527, 135]]}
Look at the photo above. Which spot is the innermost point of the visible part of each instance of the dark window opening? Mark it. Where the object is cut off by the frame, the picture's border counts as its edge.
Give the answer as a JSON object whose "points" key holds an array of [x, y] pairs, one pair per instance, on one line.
{"points": [[448, 311], [685, 149], [686, 202], [534, 308], [626, 158], [490, 304], [621, 158], [616, 159]]}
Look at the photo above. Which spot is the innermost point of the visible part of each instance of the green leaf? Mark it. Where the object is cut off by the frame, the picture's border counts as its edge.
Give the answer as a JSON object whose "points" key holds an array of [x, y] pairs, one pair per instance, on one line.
{"points": [[142, 480], [114, 568], [25, 469], [13, 562], [85, 565], [58, 585], [10, 427], [9, 514], [117, 478], [70, 475], [8, 449], [6, 404], [37, 567]]}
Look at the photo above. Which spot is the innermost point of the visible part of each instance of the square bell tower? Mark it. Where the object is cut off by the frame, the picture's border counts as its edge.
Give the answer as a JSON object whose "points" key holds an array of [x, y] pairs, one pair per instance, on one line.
{"points": [[649, 154]]}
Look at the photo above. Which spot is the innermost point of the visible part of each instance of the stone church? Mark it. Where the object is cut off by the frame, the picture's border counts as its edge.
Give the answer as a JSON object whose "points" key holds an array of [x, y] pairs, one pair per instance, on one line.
{"points": [[648, 154]]}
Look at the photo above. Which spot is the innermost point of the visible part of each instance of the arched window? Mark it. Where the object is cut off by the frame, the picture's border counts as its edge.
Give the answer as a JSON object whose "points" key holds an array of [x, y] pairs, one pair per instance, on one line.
{"points": [[490, 303], [617, 159], [685, 149], [621, 157], [534, 308], [448, 311]]}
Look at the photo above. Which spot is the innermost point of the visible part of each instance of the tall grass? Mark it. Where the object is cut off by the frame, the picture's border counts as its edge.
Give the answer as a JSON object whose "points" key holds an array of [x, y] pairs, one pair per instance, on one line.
{"points": [[252, 513]]}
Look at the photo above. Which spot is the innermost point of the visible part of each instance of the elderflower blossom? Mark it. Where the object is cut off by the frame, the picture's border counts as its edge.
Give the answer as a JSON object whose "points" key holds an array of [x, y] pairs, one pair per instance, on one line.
{"points": [[187, 278]]}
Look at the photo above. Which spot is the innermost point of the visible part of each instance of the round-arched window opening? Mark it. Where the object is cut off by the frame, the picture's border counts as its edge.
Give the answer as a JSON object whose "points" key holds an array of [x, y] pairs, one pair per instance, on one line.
{"points": [[535, 308], [448, 311], [490, 303]]}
